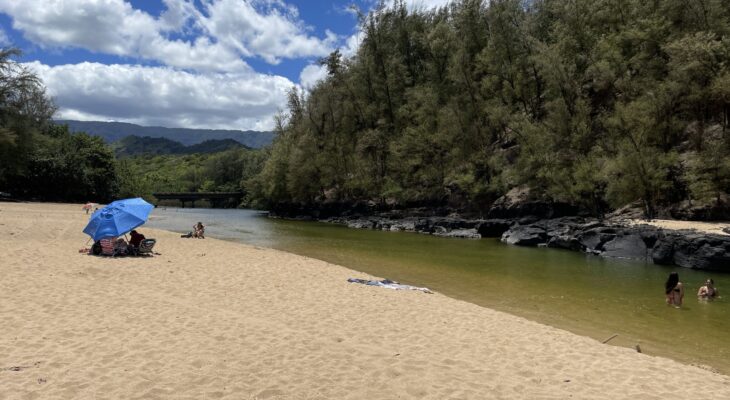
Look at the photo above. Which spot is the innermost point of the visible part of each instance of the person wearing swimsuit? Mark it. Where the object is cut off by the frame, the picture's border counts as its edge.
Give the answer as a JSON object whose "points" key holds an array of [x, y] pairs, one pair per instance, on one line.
{"points": [[674, 290], [707, 292]]}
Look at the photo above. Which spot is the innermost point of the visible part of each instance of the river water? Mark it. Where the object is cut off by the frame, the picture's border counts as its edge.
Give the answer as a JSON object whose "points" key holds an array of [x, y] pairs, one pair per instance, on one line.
{"points": [[584, 294]]}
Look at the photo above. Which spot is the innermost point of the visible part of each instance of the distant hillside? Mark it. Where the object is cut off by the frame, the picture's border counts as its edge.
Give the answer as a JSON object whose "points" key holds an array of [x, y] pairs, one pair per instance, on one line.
{"points": [[115, 131], [134, 145]]}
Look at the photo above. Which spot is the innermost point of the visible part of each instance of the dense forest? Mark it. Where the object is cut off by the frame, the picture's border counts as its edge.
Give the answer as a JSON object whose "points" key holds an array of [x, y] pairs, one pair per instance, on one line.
{"points": [[594, 103]]}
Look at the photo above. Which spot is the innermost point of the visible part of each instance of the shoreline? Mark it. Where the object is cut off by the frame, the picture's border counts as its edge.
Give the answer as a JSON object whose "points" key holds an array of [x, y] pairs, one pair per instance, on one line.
{"points": [[687, 244], [212, 316]]}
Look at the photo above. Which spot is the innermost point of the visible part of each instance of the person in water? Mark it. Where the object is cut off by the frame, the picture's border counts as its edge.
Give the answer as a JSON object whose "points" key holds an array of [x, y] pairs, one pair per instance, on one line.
{"points": [[674, 290], [708, 291]]}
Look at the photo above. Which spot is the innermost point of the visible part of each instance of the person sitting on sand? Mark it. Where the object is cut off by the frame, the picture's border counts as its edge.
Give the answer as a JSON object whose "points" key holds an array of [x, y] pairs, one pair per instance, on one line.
{"points": [[708, 291], [135, 238], [199, 231], [121, 247], [674, 290]]}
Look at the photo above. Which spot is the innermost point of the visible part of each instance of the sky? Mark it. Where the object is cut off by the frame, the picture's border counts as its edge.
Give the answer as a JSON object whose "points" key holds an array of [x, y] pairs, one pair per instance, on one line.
{"points": [[217, 64]]}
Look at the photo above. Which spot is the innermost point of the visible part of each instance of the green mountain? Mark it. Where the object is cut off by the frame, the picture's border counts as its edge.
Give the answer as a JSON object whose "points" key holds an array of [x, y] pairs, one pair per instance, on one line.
{"points": [[134, 145], [214, 146], [115, 131]]}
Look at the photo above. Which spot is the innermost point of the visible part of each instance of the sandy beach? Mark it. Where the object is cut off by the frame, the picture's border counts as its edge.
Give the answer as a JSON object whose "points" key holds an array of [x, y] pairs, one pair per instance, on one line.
{"points": [[209, 319], [675, 225]]}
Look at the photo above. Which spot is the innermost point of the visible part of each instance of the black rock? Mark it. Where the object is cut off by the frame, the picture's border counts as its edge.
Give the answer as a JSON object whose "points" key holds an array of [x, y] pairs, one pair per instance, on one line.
{"points": [[711, 252], [565, 241], [663, 251], [625, 246], [649, 236], [455, 223], [403, 225], [591, 225], [525, 235], [593, 239], [460, 233], [361, 224], [493, 227], [530, 219]]}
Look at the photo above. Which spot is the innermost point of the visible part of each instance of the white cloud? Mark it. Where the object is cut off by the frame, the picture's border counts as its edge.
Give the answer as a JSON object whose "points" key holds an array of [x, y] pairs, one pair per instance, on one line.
{"points": [[226, 30], [272, 35], [426, 4], [311, 74], [352, 44], [163, 96], [177, 14]]}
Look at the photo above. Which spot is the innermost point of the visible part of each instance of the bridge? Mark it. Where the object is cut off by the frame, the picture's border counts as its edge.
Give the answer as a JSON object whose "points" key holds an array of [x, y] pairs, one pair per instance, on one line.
{"points": [[216, 199]]}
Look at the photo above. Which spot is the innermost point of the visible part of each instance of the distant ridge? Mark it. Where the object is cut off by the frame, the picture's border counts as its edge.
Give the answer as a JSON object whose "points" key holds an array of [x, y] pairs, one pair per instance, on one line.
{"points": [[132, 146], [115, 131]]}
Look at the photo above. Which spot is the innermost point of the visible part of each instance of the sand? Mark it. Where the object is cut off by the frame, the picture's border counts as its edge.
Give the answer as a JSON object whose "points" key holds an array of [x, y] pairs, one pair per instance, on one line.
{"points": [[209, 319], [705, 227]]}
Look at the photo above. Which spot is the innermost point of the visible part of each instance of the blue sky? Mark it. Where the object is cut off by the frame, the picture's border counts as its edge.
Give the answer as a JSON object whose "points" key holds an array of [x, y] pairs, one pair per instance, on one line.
{"points": [[179, 63]]}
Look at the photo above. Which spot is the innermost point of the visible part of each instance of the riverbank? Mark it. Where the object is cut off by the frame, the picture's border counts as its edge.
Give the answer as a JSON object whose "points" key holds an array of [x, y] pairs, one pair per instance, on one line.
{"points": [[688, 244], [209, 318]]}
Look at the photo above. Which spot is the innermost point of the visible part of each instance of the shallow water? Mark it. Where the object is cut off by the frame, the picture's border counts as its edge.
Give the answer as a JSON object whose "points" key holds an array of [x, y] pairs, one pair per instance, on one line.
{"points": [[584, 294]]}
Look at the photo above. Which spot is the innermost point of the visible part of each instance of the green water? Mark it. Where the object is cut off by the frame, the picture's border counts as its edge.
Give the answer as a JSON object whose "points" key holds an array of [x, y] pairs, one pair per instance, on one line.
{"points": [[584, 294]]}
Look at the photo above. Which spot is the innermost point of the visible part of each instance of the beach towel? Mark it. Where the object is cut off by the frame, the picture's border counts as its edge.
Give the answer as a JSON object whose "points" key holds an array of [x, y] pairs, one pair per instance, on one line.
{"points": [[388, 284]]}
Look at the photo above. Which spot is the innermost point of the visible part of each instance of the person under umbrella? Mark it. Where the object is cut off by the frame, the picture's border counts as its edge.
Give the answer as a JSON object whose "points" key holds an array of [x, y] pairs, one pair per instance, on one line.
{"points": [[117, 219]]}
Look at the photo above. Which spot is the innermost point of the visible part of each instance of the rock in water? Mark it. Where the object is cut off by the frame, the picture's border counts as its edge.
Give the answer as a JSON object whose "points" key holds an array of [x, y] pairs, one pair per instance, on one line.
{"points": [[525, 235], [625, 246], [493, 227]]}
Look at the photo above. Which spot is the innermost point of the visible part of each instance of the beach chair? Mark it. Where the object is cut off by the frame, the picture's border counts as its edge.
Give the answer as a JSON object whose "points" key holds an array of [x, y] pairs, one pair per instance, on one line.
{"points": [[145, 246]]}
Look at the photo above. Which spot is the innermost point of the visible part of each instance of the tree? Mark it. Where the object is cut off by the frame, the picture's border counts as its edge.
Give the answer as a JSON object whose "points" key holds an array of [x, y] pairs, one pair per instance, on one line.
{"points": [[595, 103]]}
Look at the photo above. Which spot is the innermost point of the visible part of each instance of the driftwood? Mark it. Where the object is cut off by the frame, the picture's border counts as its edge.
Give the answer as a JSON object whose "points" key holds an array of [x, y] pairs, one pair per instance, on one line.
{"points": [[613, 336]]}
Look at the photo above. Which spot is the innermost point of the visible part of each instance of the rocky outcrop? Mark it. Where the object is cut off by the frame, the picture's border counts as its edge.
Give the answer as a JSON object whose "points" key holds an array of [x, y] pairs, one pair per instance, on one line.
{"points": [[645, 243], [711, 252], [493, 227], [628, 245], [606, 239], [460, 233], [525, 235], [519, 202]]}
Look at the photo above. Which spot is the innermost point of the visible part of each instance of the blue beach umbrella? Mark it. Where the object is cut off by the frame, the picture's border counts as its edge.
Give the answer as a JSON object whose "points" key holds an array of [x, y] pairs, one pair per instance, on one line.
{"points": [[118, 218]]}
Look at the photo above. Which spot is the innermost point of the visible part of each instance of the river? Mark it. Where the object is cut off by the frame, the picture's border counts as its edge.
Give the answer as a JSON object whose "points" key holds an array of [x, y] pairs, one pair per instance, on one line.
{"points": [[584, 294]]}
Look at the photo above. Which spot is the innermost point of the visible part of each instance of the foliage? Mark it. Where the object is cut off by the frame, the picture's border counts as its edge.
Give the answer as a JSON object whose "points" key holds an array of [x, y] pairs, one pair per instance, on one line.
{"points": [[135, 145], [595, 103], [223, 171], [41, 160]]}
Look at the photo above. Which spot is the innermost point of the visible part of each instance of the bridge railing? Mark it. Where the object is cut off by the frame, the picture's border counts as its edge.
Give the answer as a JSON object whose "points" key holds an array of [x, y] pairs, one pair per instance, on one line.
{"points": [[215, 198]]}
